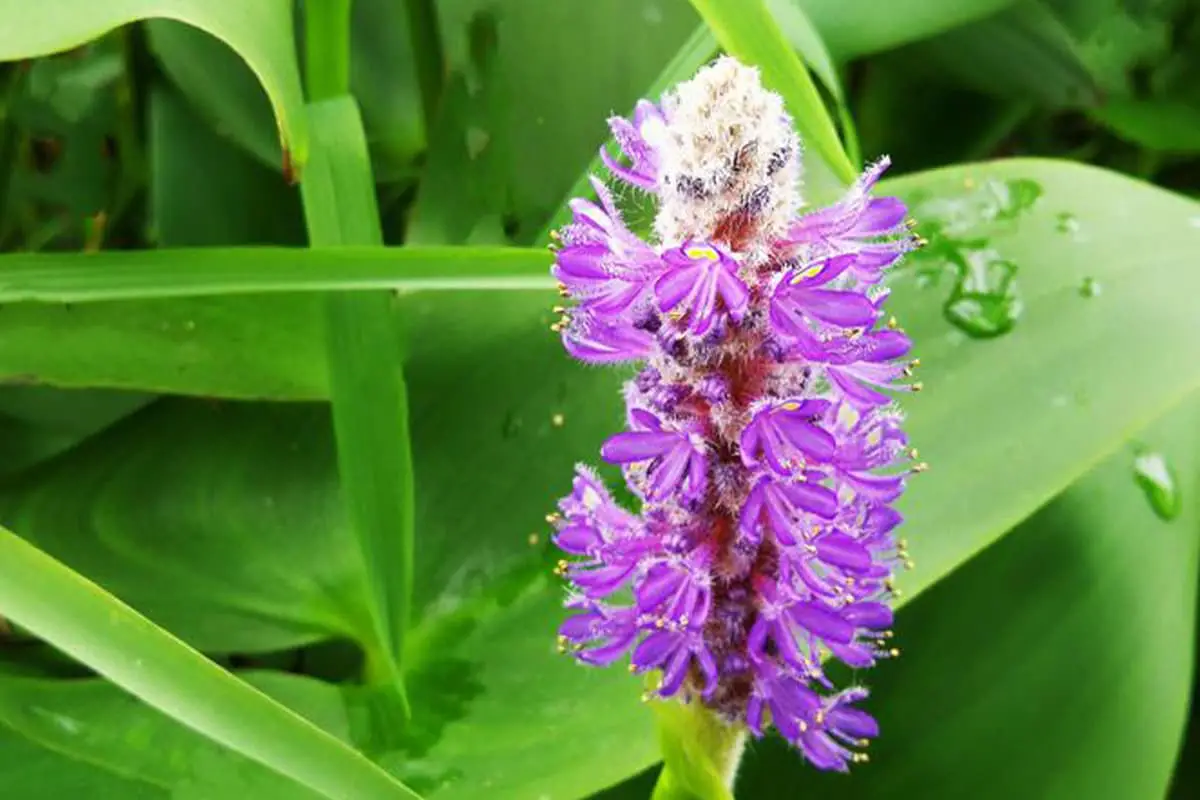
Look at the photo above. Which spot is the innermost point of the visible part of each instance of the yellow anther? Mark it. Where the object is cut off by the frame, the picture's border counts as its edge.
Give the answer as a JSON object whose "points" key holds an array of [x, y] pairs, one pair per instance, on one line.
{"points": [[909, 563], [918, 386], [913, 453], [563, 291], [560, 309], [558, 327], [892, 323], [554, 235], [894, 652], [921, 467], [553, 517], [916, 362]]}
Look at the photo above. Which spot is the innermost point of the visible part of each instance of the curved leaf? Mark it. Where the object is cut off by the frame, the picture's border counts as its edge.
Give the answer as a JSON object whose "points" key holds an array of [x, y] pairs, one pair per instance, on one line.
{"points": [[260, 32]]}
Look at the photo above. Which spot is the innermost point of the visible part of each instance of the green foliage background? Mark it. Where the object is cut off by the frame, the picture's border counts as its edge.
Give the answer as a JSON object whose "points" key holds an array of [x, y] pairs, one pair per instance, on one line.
{"points": [[280, 415]]}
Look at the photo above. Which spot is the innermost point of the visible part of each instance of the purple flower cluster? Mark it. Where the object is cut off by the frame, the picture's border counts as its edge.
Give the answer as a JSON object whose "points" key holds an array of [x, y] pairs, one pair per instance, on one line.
{"points": [[763, 440]]}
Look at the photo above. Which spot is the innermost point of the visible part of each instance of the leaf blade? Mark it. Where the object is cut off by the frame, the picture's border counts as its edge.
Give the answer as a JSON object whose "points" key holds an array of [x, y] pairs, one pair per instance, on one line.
{"points": [[77, 616]]}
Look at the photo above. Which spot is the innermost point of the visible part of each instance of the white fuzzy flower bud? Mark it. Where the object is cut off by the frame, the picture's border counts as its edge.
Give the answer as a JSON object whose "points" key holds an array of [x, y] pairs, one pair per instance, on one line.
{"points": [[730, 161]]}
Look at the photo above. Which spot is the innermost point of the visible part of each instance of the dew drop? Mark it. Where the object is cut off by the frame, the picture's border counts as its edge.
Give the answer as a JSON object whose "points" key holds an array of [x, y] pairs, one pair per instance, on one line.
{"points": [[983, 315], [1158, 483], [1090, 288], [985, 304], [1065, 222]]}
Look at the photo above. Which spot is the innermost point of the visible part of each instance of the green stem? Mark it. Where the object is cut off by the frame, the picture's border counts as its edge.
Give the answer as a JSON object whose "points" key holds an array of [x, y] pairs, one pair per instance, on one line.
{"points": [[327, 48], [701, 752]]}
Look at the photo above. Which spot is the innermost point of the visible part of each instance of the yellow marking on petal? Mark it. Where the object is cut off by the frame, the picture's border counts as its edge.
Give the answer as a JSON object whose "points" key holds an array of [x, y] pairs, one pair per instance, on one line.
{"points": [[702, 253], [805, 274], [791, 405]]}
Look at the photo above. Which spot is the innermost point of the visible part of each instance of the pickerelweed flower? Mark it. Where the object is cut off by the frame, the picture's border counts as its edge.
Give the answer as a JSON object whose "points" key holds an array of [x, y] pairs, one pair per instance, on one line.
{"points": [[763, 438]]}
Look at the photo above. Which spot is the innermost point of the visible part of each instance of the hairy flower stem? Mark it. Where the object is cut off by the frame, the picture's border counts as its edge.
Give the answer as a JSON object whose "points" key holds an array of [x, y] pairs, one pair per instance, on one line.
{"points": [[701, 753]]}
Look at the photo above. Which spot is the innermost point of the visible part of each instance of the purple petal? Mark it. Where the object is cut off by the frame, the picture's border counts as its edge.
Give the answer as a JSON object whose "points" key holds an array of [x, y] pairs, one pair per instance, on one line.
{"points": [[822, 622], [840, 550], [845, 309], [631, 446]]}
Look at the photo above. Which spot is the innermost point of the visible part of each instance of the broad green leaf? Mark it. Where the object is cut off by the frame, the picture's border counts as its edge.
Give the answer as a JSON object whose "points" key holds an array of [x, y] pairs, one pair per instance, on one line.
{"points": [[220, 86], [92, 729], [1024, 52], [170, 511], [1079, 625], [538, 102], [383, 79], [1163, 125], [205, 191], [260, 33], [855, 29], [67, 610], [37, 422], [746, 30], [487, 604]]}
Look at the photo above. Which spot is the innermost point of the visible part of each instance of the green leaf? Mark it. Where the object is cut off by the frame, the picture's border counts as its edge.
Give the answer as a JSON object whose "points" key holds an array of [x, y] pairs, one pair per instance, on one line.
{"points": [[91, 728], [220, 87], [366, 380], [536, 116], [1079, 625], [200, 272], [856, 29], [77, 616], [383, 79], [260, 33], [205, 191], [1023, 52], [746, 30], [37, 423], [1163, 125], [241, 546]]}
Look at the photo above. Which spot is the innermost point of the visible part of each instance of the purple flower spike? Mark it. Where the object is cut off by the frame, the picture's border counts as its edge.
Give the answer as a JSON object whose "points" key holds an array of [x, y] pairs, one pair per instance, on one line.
{"points": [[763, 440]]}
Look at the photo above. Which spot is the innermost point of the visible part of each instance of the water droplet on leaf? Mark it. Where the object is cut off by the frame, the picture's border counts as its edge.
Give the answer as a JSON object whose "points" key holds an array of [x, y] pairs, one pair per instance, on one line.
{"points": [[983, 315], [985, 304], [1158, 483], [1090, 287], [1065, 222]]}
